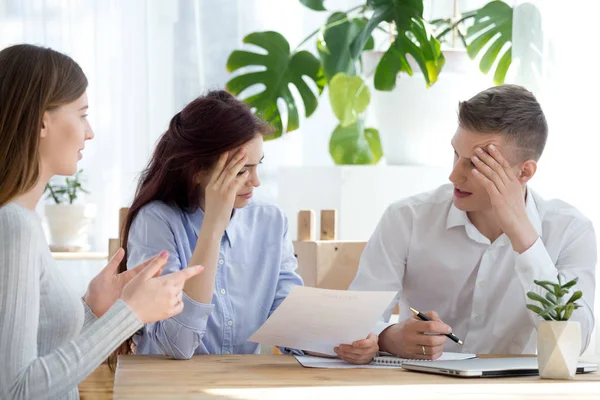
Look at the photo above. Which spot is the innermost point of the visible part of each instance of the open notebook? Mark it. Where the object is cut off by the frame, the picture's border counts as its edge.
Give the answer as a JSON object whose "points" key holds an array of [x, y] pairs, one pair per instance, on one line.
{"points": [[378, 362]]}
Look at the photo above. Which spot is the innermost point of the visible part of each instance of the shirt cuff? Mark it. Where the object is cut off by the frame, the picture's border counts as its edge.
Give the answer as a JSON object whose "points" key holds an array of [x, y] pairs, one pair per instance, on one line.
{"points": [[89, 314], [535, 263], [381, 326], [194, 315]]}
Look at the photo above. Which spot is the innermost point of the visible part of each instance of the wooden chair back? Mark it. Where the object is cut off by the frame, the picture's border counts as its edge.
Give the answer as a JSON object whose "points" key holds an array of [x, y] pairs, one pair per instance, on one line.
{"points": [[115, 244]]}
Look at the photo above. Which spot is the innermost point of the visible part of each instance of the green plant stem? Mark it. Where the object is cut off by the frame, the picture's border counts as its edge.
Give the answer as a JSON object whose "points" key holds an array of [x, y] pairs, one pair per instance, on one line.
{"points": [[454, 26], [341, 21], [53, 195], [382, 30]]}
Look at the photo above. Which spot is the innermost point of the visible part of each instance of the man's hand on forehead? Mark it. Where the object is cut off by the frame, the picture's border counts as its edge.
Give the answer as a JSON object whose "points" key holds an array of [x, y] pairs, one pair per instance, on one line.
{"points": [[506, 194]]}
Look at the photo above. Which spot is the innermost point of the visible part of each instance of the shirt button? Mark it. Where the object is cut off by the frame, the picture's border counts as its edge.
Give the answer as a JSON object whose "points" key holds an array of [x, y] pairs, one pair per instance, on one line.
{"points": [[481, 283], [230, 322], [478, 318], [222, 291], [221, 262]]}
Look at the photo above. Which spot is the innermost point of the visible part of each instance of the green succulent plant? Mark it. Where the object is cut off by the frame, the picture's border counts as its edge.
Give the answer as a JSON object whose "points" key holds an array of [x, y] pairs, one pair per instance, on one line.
{"points": [[552, 307], [67, 192]]}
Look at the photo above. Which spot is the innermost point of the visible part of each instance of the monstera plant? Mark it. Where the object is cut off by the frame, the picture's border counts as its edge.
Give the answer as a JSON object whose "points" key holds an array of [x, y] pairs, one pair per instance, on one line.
{"points": [[263, 78]]}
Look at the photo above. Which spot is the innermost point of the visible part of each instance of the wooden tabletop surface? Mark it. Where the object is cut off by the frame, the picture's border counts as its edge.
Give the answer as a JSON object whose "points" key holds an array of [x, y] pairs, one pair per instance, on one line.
{"points": [[281, 377]]}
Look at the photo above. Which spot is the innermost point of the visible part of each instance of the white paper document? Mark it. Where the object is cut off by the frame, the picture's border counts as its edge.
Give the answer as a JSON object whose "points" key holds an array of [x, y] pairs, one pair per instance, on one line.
{"points": [[320, 319], [378, 362]]}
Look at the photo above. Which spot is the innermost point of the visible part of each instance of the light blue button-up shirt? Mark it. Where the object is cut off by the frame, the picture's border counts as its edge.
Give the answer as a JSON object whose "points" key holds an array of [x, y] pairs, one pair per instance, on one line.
{"points": [[255, 272]]}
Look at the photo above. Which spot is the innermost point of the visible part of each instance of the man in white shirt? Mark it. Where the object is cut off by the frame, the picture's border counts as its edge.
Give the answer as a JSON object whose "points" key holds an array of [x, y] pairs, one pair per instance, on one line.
{"points": [[471, 250]]}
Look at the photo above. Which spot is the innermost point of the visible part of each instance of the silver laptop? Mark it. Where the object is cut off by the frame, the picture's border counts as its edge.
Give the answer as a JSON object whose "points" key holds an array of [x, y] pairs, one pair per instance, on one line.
{"points": [[487, 367]]}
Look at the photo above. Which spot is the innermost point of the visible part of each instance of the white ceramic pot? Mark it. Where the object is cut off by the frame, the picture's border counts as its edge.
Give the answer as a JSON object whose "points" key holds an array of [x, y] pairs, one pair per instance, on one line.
{"points": [[68, 226], [559, 346], [416, 123]]}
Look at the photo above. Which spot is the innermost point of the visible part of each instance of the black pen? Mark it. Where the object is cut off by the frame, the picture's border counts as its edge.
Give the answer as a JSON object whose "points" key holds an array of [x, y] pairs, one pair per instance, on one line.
{"points": [[424, 318]]}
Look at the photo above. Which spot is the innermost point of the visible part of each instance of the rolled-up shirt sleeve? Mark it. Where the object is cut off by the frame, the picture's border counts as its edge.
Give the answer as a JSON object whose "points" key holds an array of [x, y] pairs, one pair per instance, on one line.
{"points": [[178, 336], [288, 278], [577, 259]]}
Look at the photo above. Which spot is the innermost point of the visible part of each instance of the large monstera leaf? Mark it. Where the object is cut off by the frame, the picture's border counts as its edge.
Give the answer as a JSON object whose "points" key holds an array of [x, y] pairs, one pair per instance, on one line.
{"points": [[493, 27], [278, 70], [334, 43], [414, 37]]}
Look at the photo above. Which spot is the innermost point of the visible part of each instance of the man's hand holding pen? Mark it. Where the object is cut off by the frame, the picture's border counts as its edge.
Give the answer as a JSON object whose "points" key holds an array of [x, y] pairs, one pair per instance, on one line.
{"points": [[415, 338]]}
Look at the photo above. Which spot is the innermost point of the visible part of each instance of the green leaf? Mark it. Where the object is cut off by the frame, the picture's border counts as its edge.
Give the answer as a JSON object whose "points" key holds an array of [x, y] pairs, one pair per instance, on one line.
{"points": [[382, 13], [536, 297], [549, 286], [538, 311], [334, 42], [414, 38], [353, 145], [548, 310], [551, 298], [568, 312], [502, 67], [62, 193], [372, 136], [280, 69], [492, 28], [570, 284], [316, 5], [535, 309], [349, 97], [576, 296]]}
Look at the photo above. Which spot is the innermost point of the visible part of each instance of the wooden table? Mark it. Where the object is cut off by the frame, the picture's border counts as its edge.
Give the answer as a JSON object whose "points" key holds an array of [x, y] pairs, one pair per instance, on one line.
{"points": [[281, 377], [98, 385]]}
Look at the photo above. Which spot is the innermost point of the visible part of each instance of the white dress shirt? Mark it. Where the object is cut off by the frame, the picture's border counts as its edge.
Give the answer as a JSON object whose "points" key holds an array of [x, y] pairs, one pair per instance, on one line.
{"points": [[430, 252]]}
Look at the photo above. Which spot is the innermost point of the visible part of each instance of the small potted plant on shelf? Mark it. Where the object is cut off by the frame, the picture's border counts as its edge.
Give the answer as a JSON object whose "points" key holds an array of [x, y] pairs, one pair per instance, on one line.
{"points": [[558, 340], [68, 219]]}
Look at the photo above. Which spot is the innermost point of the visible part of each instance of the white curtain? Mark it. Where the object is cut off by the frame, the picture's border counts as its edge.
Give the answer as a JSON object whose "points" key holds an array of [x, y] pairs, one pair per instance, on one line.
{"points": [[561, 68]]}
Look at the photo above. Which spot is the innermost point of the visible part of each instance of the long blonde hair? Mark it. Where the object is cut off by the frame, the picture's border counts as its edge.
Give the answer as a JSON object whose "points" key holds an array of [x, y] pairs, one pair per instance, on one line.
{"points": [[33, 80]]}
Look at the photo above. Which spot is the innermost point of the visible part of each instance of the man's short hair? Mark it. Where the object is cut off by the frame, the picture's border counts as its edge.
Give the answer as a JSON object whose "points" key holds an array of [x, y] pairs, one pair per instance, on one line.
{"points": [[511, 111]]}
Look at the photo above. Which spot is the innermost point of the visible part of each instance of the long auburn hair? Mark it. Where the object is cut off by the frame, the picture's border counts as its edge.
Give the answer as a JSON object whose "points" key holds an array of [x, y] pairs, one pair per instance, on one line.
{"points": [[33, 80], [206, 128]]}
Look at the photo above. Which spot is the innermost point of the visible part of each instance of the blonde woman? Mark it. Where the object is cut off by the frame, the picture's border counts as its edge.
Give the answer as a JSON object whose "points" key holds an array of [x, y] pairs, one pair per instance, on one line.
{"points": [[50, 340]]}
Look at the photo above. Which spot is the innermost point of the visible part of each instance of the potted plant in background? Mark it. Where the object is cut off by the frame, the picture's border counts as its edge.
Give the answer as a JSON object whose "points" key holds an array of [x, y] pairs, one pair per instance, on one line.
{"points": [[68, 220], [414, 48], [558, 339], [411, 114]]}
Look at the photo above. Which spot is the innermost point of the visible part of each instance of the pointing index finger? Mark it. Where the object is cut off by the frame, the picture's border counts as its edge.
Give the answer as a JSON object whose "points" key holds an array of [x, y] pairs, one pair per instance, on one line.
{"points": [[179, 277]]}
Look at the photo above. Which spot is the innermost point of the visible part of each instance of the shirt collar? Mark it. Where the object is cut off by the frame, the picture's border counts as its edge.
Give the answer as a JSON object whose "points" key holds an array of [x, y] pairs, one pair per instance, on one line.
{"points": [[458, 217], [230, 235], [532, 212]]}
